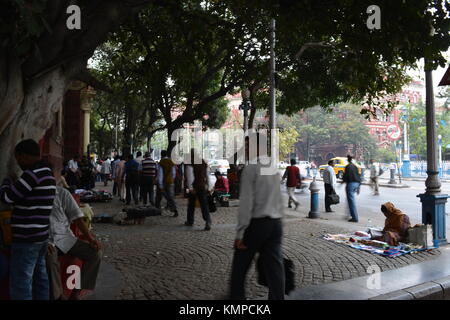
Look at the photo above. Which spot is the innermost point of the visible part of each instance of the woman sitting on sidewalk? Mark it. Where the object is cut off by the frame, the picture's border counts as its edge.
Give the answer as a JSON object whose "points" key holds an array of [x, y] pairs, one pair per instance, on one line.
{"points": [[395, 226]]}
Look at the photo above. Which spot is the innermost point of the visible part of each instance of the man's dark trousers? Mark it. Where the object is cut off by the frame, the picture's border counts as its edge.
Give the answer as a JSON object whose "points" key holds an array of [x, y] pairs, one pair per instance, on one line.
{"points": [[328, 191], [202, 196], [147, 186], [263, 235], [131, 185]]}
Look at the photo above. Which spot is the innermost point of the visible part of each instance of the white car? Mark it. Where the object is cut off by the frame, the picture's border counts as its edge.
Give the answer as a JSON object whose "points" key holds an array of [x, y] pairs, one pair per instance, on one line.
{"points": [[303, 165], [219, 164], [282, 165]]}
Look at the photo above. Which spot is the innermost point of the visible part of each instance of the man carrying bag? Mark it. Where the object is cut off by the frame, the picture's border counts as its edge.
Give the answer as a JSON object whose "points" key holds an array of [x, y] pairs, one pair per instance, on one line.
{"points": [[329, 179]]}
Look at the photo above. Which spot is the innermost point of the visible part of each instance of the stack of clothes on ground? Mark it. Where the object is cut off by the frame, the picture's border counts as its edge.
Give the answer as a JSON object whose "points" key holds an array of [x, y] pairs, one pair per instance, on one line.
{"points": [[94, 195]]}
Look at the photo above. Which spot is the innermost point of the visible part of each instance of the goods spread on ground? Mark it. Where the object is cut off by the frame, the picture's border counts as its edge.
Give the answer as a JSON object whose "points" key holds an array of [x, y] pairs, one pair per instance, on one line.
{"points": [[362, 241], [94, 195]]}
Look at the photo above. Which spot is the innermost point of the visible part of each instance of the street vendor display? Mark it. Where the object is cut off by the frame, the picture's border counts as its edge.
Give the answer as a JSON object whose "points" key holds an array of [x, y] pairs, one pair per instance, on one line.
{"points": [[88, 196], [362, 241]]}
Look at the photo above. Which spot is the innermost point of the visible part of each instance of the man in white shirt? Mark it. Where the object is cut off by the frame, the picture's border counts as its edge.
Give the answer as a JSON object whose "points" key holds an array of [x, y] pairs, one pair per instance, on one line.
{"points": [[106, 170], [65, 211], [73, 173], [374, 174], [259, 229], [329, 180]]}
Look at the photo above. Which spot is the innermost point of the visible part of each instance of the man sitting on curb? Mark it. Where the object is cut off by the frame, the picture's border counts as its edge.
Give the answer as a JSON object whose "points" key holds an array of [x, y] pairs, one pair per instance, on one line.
{"points": [[63, 241]]}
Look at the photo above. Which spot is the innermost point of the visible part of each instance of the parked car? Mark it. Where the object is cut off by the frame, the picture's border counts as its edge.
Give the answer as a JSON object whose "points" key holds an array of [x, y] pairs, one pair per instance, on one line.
{"points": [[339, 166], [219, 164]]}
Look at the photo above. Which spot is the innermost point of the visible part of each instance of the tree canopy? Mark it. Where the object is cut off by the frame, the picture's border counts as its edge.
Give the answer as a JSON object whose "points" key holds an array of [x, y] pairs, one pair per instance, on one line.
{"points": [[325, 53]]}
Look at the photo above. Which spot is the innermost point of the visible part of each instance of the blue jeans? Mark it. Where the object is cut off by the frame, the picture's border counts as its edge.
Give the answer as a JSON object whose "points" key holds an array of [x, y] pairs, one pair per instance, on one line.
{"points": [[28, 275], [351, 189]]}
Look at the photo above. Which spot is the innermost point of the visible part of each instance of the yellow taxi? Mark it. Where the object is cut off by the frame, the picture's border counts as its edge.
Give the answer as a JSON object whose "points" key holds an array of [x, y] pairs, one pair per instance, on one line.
{"points": [[339, 166]]}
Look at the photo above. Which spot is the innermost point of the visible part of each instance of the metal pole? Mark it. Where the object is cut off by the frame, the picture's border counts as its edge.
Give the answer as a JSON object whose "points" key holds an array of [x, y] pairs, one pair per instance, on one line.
{"points": [[433, 183], [433, 202], [272, 110]]}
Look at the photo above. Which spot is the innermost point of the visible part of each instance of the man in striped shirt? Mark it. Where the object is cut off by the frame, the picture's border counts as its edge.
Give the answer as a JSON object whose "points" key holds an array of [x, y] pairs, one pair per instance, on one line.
{"points": [[147, 170], [32, 196]]}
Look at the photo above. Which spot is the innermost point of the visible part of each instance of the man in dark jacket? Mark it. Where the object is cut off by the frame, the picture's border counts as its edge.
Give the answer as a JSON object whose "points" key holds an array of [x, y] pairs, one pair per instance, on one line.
{"points": [[353, 180]]}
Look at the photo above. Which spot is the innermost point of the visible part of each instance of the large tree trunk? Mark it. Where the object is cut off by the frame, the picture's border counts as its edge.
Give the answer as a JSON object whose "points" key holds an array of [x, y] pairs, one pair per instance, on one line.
{"points": [[28, 113]]}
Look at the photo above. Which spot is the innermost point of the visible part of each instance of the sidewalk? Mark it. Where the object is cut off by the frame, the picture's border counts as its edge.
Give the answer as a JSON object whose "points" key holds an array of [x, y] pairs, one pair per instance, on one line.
{"points": [[163, 259], [428, 280]]}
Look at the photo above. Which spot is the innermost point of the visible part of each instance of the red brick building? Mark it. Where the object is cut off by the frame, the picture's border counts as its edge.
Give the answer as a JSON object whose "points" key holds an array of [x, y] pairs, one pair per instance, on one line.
{"points": [[69, 134]]}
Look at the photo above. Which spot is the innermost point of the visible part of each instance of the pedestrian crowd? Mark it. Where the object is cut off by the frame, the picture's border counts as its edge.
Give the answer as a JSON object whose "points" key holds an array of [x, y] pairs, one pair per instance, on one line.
{"points": [[48, 222]]}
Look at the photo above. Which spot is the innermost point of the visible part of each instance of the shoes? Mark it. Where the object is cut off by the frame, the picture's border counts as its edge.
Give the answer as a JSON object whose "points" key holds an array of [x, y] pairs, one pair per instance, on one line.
{"points": [[207, 227], [296, 206], [187, 224], [352, 220], [289, 206], [175, 214]]}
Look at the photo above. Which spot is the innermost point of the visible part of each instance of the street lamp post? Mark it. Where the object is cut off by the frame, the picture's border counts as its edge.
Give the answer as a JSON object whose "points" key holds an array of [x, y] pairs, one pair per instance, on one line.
{"points": [[406, 163], [433, 202], [440, 155], [400, 162], [245, 106]]}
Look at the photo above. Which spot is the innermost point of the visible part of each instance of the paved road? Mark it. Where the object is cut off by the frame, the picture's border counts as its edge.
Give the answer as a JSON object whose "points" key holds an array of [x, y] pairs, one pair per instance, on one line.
{"points": [[163, 259], [369, 205]]}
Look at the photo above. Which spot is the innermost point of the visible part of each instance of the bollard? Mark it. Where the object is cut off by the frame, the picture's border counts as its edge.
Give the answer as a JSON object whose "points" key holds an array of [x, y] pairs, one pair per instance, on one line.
{"points": [[314, 188], [392, 180]]}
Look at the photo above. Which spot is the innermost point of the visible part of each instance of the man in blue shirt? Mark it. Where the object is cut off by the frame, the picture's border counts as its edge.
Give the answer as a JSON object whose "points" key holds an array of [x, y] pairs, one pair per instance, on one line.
{"points": [[131, 179]]}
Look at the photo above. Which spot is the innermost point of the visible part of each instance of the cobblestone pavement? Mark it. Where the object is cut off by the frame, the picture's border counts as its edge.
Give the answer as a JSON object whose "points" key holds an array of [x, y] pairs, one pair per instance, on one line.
{"points": [[163, 259]]}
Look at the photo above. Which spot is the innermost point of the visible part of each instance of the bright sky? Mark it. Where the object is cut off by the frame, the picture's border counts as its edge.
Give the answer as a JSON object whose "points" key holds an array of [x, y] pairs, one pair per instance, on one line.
{"points": [[437, 76]]}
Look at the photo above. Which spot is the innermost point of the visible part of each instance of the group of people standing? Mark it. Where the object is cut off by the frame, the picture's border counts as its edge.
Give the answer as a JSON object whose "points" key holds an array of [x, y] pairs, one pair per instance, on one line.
{"points": [[82, 173], [144, 180]]}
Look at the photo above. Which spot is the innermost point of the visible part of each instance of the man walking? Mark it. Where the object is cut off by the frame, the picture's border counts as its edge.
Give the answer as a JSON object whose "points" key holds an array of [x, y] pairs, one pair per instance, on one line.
{"points": [[166, 178], [259, 229], [292, 174], [32, 196], [132, 179], [353, 180], [106, 170], [375, 172], [147, 171], [329, 180]]}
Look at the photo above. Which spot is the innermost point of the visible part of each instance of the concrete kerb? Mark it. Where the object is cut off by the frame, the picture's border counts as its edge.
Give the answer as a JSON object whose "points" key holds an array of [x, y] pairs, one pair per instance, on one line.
{"points": [[432, 290], [387, 185]]}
